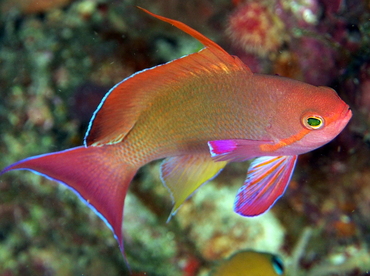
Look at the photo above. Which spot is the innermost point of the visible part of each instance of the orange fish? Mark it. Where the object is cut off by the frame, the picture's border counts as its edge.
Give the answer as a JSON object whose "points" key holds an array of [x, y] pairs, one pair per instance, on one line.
{"points": [[199, 112]]}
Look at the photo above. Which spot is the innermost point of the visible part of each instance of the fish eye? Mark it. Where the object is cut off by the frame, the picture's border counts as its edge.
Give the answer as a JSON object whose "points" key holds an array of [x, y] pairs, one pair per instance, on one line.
{"points": [[313, 122], [277, 264]]}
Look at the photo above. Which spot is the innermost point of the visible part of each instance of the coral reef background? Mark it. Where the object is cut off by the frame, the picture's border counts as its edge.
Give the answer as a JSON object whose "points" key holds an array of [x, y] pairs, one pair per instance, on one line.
{"points": [[57, 60]]}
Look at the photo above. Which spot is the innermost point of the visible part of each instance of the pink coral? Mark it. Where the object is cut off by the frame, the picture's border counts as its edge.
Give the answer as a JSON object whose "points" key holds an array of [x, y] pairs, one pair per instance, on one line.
{"points": [[256, 29]]}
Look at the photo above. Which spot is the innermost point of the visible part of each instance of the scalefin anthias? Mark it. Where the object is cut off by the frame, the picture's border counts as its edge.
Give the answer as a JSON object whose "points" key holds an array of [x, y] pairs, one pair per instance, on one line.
{"points": [[198, 113]]}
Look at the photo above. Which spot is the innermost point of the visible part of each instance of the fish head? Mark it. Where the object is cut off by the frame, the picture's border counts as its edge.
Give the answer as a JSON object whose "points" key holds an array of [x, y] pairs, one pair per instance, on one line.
{"points": [[319, 116], [327, 120], [251, 262], [301, 117]]}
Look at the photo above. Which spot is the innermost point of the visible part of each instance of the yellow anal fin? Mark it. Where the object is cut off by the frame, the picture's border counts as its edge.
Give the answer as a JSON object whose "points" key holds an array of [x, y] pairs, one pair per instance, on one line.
{"points": [[182, 175]]}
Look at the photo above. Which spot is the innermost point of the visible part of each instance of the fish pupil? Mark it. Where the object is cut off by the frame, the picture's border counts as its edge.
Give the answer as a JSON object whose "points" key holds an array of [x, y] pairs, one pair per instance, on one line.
{"points": [[277, 264], [314, 122]]}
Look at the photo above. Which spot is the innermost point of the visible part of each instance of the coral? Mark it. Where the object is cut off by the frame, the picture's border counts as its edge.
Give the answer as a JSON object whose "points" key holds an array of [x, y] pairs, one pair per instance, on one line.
{"points": [[256, 28], [306, 12], [314, 54], [212, 206]]}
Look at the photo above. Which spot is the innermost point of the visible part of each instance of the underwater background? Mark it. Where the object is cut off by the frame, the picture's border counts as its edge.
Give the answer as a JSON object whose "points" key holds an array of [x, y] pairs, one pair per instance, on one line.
{"points": [[59, 58]]}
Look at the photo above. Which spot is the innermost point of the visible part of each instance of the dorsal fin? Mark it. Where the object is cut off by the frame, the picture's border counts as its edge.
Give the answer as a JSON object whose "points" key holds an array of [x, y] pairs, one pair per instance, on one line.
{"points": [[209, 44], [185, 28], [122, 105]]}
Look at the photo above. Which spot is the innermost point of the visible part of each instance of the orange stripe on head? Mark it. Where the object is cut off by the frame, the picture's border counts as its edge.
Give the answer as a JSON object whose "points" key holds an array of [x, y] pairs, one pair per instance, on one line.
{"points": [[284, 142]]}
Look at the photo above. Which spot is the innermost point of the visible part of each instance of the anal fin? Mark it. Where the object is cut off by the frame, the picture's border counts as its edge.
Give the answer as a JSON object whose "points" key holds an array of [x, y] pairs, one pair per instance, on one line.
{"points": [[182, 175]]}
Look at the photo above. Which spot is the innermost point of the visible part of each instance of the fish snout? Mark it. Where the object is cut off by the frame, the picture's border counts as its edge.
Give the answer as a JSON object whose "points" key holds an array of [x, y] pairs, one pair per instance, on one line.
{"points": [[343, 119]]}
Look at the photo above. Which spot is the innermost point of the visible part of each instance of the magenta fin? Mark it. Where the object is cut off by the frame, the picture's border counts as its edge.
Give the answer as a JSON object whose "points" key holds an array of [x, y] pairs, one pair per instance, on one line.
{"points": [[235, 150], [267, 179], [221, 147], [95, 174]]}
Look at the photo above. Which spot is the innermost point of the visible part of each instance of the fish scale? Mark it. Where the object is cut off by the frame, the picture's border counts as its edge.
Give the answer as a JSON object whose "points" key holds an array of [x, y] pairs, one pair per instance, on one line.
{"points": [[173, 128]]}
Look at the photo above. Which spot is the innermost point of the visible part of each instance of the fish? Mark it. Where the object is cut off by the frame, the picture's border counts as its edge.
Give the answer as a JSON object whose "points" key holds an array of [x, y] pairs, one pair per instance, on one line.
{"points": [[198, 113], [250, 263]]}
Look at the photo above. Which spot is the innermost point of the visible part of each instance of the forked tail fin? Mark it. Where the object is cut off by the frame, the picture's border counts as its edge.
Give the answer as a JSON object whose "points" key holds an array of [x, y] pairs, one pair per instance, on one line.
{"points": [[98, 175]]}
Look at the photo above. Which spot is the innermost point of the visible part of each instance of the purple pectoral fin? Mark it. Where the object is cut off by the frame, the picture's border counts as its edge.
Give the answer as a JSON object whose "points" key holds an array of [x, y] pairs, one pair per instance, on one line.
{"points": [[235, 150], [267, 180], [221, 147], [96, 174]]}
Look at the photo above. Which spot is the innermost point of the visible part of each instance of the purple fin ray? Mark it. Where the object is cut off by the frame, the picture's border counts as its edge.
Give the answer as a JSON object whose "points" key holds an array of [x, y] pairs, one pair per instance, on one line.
{"points": [[221, 147], [235, 150], [267, 179]]}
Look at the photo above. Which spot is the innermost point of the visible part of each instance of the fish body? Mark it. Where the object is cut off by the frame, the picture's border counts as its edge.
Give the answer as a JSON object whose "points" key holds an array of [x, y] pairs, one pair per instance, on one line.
{"points": [[250, 263], [198, 112], [186, 118]]}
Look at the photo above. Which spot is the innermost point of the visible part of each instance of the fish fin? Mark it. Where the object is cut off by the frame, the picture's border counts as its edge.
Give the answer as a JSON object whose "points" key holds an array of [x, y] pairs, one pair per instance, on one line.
{"points": [[267, 179], [213, 46], [96, 174], [182, 175], [122, 106], [235, 150]]}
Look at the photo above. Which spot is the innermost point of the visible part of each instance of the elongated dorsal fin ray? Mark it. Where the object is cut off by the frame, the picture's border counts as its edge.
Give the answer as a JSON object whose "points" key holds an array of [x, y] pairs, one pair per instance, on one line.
{"points": [[124, 103], [208, 43], [185, 28]]}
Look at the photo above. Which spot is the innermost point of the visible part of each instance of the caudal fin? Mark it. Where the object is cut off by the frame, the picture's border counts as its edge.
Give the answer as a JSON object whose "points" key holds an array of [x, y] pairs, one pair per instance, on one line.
{"points": [[98, 175]]}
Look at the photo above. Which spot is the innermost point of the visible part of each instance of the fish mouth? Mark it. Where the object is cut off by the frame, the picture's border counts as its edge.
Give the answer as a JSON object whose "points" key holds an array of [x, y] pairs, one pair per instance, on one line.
{"points": [[344, 117], [347, 114]]}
